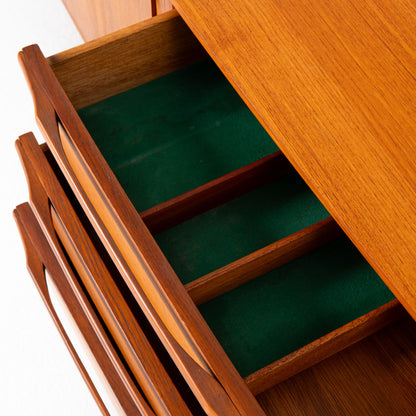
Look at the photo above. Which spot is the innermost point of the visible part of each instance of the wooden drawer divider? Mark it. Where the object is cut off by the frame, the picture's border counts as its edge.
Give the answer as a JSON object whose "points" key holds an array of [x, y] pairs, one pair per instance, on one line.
{"points": [[215, 193]]}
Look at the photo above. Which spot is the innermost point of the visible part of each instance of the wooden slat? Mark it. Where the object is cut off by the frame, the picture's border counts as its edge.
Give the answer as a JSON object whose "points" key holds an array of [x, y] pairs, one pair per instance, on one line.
{"points": [[262, 261], [214, 193], [125, 59], [137, 351], [324, 347], [333, 83]]}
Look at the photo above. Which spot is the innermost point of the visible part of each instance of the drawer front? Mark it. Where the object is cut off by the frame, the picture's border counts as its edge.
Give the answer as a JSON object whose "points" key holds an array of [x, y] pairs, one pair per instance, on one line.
{"points": [[81, 330], [129, 236]]}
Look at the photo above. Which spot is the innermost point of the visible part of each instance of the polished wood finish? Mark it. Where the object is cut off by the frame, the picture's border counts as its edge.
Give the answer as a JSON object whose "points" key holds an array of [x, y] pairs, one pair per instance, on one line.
{"points": [[149, 276], [262, 261], [125, 59], [376, 376], [324, 347], [132, 342], [95, 18], [334, 85], [214, 193], [40, 256]]}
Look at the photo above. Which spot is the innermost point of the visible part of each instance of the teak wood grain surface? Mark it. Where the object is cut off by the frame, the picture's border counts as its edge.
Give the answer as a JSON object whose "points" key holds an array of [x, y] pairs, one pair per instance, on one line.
{"points": [[334, 85]]}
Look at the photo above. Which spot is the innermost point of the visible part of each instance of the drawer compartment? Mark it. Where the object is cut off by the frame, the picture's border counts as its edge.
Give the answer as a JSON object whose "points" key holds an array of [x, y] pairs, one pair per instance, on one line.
{"points": [[175, 133], [288, 392], [187, 128], [162, 174]]}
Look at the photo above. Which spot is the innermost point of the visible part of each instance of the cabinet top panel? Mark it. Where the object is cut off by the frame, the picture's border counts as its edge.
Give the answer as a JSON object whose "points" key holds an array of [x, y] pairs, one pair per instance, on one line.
{"points": [[334, 84]]}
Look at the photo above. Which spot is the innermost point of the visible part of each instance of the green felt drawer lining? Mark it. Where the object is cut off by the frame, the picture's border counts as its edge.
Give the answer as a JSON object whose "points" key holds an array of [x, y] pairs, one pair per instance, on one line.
{"points": [[175, 133]]}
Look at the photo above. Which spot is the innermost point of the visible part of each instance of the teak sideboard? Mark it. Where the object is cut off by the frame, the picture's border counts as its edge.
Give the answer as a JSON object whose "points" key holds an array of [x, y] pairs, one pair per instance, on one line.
{"points": [[222, 218]]}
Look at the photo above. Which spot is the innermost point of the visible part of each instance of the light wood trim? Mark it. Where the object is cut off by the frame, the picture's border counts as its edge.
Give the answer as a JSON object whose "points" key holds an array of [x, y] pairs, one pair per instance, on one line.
{"points": [[39, 255], [133, 249], [333, 83], [94, 18], [133, 344], [125, 59], [214, 193], [262, 261], [324, 347], [163, 6]]}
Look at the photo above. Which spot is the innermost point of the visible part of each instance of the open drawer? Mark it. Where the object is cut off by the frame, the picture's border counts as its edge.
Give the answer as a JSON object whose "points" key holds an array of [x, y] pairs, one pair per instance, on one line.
{"points": [[195, 205]]}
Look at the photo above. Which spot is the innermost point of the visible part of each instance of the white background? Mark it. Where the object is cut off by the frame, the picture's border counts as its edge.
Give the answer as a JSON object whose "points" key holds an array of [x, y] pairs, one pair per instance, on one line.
{"points": [[37, 374]]}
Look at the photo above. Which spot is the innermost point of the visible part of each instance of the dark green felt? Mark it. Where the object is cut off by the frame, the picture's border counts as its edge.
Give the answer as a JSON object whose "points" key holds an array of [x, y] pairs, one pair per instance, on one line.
{"points": [[293, 305], [241, 226], [176, 133], [184, 129]]}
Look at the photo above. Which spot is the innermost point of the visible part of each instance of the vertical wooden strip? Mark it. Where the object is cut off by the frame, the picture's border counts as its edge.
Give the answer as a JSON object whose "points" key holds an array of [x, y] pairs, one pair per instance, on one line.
{"points": [[40, 255]]}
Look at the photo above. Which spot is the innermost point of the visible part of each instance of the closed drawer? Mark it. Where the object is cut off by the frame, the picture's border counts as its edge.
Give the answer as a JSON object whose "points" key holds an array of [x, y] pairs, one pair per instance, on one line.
{"points": [[76, 250], [109, 381], [195, 205]]}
